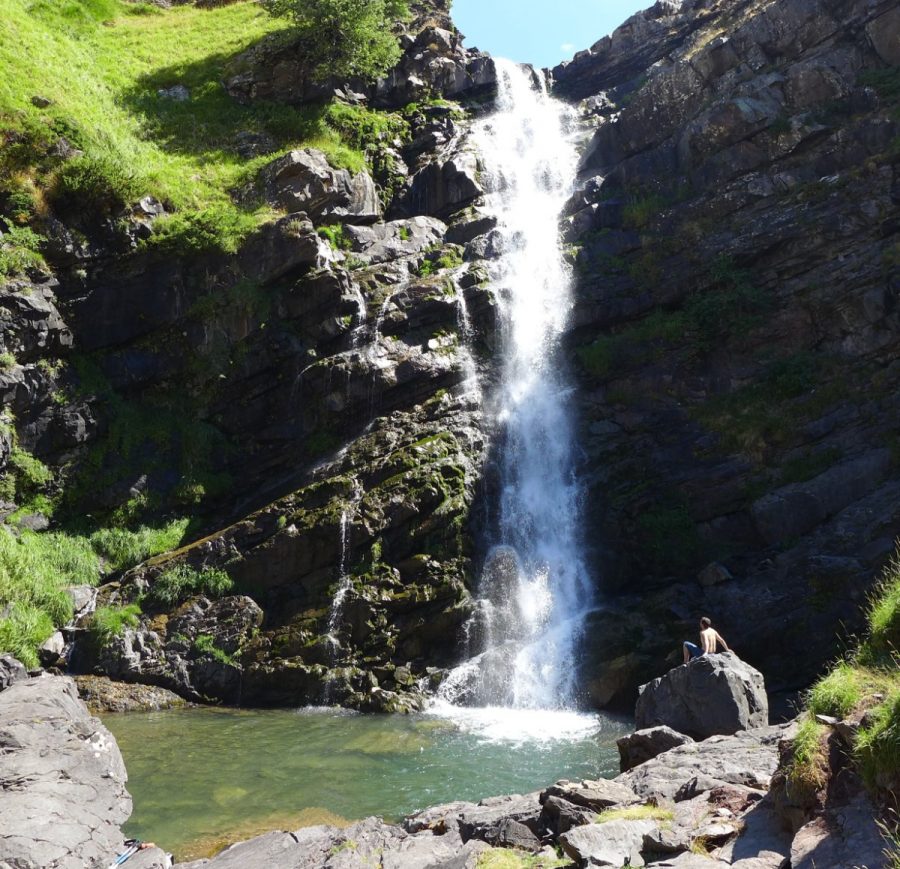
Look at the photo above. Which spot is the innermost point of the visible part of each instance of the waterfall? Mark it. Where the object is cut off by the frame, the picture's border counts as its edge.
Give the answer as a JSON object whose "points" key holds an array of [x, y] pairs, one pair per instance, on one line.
{"points": [[534, 589]]}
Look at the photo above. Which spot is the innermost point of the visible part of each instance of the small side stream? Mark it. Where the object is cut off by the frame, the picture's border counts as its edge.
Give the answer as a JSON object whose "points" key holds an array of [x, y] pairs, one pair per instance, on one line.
{"points": [[202, 778]]}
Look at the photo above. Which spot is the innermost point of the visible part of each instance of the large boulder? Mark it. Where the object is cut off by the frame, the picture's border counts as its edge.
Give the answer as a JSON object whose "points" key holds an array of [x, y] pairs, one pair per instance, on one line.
{"points": [[713, 694], [62, 781], [303, 180]]}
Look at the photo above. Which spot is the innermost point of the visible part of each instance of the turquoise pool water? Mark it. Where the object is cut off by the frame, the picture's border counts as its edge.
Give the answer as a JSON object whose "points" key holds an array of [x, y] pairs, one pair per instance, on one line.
{"points": [[201, 778]]}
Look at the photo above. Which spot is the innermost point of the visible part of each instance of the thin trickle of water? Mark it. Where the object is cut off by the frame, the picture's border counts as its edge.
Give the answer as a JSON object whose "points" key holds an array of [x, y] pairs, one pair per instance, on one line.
{"points": [[471, 384], [535, 588], [344, 586]]}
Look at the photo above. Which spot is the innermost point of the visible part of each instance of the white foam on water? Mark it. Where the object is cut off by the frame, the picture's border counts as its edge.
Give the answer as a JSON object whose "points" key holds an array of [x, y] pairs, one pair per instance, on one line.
{"points": [[507, 724]]}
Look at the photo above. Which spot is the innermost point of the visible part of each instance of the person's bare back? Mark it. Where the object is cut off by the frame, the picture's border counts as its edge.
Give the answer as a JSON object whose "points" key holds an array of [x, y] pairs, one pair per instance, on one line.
{"points": [[709, 638]]}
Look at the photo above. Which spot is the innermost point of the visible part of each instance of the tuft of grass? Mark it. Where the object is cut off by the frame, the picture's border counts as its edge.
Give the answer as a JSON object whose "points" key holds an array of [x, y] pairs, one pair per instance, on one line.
{"points": [[23, 630], [836, 693], [122, 548], [108, 622], [335, 235], [205, 645], [638, 212], [883, 617], [807, 772], [878, 745], [503, 858], [181, 582], [35, 570], [635, 813]]}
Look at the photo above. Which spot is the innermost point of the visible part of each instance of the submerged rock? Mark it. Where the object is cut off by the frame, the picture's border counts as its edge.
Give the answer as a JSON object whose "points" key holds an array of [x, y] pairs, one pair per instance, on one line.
{"points": [[713, 694], [104, 695]]}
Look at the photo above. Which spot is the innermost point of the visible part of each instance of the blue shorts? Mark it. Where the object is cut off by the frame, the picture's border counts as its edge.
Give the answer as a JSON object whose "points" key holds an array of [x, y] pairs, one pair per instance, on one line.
{"points": [[694, 650]]}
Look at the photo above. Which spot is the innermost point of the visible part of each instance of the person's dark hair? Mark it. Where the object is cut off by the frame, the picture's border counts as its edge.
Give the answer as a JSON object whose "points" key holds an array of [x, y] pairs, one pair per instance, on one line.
{"points": [[705, 622]]}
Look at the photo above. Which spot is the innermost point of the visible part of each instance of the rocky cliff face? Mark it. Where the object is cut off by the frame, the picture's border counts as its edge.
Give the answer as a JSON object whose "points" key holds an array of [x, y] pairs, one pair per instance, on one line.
{"points": [[314, 389], [309, 395], [735, 240]]}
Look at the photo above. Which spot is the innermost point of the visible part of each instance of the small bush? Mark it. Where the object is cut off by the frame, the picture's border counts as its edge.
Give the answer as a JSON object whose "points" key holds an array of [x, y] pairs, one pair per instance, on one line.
{"points": [[122, 548], [360, 127], [108, 622], [93, 187], [179, 583], [20, 251], [213, 230], [343, 39]]}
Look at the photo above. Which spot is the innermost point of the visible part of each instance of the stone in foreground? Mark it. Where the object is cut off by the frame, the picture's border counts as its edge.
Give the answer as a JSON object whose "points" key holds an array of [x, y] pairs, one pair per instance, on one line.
{"points": [[62, 781], [644, 745], [713, 694], [615, 843]]}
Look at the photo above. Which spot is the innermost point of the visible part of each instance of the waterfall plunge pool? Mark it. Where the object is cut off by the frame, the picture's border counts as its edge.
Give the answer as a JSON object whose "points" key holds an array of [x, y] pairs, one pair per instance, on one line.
{"points": [[203, 778]]}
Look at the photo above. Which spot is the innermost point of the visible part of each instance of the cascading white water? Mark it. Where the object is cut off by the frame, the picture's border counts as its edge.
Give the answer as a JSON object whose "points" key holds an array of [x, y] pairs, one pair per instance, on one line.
{"points": [[534, 588]]}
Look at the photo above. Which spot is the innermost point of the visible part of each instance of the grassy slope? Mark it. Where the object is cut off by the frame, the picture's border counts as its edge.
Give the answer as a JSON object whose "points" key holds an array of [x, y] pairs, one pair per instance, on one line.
{"points": [[102, 64], [868, 679]]}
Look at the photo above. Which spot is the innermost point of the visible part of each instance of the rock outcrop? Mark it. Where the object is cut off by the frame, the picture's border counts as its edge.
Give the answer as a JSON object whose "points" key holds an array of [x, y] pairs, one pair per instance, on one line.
{"points": [[713, 694], [644, 745], [734, 243], [62, 782]]}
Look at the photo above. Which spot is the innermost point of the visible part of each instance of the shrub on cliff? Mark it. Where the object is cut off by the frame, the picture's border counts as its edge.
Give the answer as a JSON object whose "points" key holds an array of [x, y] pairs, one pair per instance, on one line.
{"points": [[344, 38], [182, 581]]}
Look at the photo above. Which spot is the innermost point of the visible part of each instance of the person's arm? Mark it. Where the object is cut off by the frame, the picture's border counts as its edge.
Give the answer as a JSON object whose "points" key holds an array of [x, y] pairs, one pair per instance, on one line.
{"points": [[724, 644]]}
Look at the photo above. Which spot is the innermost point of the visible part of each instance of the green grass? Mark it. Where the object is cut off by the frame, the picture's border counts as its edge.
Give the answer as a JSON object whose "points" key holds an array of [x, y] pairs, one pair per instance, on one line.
{"points": [[35, 570], [108, 622], [181, 582], [636, 813], [855, 684], [883, 640], [102, 66], [503, 858], [878, 745], [807, 772], [122, 548], [205, 645], [19, 251]]}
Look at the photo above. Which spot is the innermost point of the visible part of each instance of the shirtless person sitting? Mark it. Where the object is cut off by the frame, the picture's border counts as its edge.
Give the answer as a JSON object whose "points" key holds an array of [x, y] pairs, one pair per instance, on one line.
{"points": [[709, 636]]}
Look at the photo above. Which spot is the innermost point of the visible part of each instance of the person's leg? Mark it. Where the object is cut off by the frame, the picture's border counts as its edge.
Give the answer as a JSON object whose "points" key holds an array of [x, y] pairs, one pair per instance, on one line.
{"points": [[691, 651]]}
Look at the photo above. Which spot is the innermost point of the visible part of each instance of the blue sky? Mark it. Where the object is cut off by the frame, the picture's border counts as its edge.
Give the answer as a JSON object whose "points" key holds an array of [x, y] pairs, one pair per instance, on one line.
{"points": [[541, 32]]}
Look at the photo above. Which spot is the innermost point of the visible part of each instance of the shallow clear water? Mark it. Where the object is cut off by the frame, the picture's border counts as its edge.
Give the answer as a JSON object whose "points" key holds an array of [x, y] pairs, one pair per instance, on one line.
{"points": [[203, 777]]}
